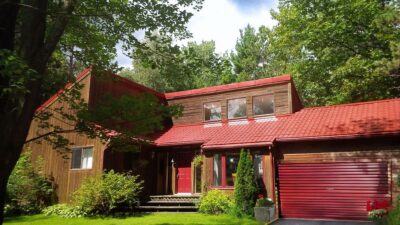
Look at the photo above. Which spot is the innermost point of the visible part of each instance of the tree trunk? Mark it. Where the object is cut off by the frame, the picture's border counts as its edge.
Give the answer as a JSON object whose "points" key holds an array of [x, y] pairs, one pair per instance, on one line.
{"points": [[35, 49]]}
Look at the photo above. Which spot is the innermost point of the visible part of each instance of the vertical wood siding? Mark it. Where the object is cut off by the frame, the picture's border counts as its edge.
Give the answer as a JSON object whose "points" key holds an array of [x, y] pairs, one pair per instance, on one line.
{"points": [[193, 106]]}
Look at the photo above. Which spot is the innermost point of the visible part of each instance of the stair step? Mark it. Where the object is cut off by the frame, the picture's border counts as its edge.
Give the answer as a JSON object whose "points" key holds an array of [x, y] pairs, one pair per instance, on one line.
{"points": [[170, 202], [166, 207]]}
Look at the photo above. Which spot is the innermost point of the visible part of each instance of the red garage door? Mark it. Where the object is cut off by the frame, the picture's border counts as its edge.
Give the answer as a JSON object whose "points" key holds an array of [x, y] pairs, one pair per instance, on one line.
{"points": [[331, 190]]}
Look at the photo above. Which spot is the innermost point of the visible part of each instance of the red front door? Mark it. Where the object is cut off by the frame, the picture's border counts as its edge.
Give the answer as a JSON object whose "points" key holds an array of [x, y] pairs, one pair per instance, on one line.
{"points": [[183, 172]]}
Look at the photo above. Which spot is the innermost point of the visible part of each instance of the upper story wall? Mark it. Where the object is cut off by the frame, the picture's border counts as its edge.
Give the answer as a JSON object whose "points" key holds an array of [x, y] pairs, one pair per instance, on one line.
{"points": [[281, 88]]}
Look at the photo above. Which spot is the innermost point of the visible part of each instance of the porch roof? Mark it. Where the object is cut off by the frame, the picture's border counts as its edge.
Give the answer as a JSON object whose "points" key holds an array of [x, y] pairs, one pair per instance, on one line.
{"points": [[328, 122]]}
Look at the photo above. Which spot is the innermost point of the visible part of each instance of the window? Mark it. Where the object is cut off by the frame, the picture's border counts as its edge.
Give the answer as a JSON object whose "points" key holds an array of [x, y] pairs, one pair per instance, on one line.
{"points": [[217, 170], [82, 158], [258, 170], [236, 108], [263, 104], [212, 111], [231, 166], [224, 169]]}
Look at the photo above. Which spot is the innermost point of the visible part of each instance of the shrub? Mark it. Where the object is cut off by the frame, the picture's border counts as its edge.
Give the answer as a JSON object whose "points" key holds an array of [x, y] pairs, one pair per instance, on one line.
{"points": [[28, 189], [245, 186], [215, 202], [102, 195], [64, 210], [263, 201]]}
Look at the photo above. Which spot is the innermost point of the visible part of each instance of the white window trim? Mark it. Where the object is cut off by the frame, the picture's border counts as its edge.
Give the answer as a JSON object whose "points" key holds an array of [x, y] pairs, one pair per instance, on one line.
{"points": [[82, 148]]}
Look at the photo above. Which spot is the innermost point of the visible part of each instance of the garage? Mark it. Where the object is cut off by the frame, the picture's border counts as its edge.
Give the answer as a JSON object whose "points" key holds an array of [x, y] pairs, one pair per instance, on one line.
{"points": [[333, 190]]}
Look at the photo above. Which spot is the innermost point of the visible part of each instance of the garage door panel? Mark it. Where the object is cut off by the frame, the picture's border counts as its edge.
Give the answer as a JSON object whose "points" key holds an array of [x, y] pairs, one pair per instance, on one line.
{"points": [[331, 190]]}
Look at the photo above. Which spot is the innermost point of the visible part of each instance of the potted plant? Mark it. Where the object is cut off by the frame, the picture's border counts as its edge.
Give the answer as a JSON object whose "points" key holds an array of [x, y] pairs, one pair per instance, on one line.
{"points": [[264, 209]]}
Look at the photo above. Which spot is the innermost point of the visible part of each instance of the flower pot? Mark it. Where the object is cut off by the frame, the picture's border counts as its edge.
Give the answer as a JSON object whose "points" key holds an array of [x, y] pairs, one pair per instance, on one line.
{"points": [[264, 214]]}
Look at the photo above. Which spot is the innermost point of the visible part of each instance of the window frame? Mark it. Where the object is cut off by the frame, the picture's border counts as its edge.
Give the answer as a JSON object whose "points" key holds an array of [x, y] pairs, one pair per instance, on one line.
{"points": [[204, 113], [261, 115], [223, 169], [82, 148], [227, 108]]}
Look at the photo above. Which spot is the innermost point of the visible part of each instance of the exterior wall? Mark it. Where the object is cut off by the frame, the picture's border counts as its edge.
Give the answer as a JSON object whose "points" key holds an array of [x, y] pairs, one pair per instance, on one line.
{"points": [[363, 150], [57, 164], [193, 106]]}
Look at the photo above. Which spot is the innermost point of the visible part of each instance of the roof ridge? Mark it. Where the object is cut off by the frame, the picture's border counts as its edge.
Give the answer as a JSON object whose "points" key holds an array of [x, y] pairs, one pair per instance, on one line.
{"points": [[350, 104], [228, 87]]}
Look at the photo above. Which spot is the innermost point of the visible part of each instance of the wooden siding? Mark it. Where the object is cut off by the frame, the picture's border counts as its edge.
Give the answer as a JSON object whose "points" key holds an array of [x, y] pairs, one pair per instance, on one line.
{"points": [[367, 150], [193, 106], [57, 165]]}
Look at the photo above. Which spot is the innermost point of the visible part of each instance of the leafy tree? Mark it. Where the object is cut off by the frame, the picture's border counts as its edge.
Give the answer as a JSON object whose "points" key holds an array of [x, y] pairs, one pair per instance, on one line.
{"points": [[32, 31], [245, 186], [249, 58], [338, 51], [179, 68]]}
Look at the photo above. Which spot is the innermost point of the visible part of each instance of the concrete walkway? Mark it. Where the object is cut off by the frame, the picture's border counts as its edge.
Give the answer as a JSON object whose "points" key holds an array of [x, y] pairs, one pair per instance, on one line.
{"points": [[319, 222]]}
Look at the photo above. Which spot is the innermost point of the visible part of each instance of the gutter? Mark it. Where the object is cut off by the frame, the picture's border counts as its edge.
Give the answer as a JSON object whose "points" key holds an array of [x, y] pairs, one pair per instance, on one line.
{"points": [[243, 145], [339, 137]]}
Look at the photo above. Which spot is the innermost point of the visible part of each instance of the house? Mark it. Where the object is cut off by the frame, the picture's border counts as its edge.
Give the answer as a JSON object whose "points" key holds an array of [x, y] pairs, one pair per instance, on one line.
{"points": [[318, 162]]}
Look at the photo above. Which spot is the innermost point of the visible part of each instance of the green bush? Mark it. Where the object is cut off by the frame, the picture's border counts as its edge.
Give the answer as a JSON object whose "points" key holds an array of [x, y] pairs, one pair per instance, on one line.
{"points": [[103, 195], [245, 186], [215, 202], [28, 189], [64, 210]]}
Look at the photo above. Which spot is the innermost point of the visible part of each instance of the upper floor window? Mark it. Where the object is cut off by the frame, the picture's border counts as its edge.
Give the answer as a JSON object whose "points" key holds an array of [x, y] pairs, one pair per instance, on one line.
{"points": [[82, 158], [212, 111], [263, 104], [236, 108]]}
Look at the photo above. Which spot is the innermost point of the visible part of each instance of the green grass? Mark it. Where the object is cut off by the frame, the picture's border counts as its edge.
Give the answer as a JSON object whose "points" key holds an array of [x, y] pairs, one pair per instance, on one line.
{"points": [[143, 219]]}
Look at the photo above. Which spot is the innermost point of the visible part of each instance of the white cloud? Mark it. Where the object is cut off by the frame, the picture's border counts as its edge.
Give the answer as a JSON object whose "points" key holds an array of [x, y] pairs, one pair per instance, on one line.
{"points": [[220, 20]]}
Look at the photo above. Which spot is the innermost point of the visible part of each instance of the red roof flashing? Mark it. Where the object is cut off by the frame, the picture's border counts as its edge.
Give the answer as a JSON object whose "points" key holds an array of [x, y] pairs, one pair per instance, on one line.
{"points": [[228, 87]]}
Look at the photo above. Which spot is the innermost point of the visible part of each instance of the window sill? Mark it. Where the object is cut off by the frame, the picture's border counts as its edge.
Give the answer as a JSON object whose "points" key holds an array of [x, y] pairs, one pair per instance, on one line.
{"points": [[81, 169], [223, 188]]}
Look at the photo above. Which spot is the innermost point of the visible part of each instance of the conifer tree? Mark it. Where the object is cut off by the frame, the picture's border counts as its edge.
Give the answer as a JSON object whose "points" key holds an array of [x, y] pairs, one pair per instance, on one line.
{"points": [[245, 186]]}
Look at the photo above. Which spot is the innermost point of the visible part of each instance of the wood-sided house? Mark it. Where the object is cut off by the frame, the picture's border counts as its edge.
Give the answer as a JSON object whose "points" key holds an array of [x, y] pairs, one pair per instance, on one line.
{"points": [[319, 162]]}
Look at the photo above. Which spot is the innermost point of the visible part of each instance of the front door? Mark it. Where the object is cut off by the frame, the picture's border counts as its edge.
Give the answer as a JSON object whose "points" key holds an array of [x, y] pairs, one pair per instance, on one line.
{"points": [[184, 172]]}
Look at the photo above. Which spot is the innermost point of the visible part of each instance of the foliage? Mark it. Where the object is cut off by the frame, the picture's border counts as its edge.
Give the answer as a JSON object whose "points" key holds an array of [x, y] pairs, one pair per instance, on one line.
{"points": [[167, 67], [102, 195], [250, 57], [263, 201], [379, 216], [28, 190], [142, 219], [245, 186], [215, 202], [337, 51], [198, 160], [64, 210], [394, 214]]}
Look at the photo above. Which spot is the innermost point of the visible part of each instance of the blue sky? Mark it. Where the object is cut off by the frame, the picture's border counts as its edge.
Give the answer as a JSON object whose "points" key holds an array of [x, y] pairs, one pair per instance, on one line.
{"points": [[220, 20]]}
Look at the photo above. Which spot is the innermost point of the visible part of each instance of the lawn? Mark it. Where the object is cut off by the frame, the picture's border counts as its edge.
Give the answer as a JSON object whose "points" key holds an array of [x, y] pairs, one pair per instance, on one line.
{"points": [[143, 219]]}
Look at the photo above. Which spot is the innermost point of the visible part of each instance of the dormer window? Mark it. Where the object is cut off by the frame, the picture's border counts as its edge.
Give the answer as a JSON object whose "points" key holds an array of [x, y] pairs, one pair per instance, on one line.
{"points": [[236, 108], [212, 111], [263, 105]]}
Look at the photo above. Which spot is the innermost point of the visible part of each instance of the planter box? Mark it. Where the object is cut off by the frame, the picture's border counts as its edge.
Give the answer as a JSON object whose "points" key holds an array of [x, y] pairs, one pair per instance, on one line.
{"points": [[264, 214]]}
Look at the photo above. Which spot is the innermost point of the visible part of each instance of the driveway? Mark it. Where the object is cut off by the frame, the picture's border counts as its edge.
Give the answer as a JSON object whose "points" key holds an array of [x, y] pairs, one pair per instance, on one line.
{"points": [[319, 222]]}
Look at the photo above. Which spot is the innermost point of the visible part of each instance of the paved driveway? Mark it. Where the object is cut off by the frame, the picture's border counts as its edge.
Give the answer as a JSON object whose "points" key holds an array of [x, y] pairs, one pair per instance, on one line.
{"points": [[318, 222]]}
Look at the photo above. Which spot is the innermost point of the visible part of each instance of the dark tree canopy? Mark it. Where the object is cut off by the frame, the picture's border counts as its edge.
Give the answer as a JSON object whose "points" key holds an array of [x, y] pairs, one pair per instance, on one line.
{"points": [[43, 43]]}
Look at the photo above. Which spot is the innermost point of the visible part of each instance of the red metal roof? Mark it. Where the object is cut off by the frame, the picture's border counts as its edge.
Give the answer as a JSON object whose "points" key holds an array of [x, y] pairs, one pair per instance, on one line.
{"points": [[228, 87], [338, 121]]}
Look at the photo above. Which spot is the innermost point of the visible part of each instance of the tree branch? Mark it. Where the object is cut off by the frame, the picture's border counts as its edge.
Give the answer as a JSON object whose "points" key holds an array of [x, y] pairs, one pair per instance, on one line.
{"points": [[50, 133]]}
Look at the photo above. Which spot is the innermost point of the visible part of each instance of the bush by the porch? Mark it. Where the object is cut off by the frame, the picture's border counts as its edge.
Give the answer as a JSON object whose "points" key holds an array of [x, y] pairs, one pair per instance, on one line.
{"points": [[215, 202], [245, 186], [102, 195]]}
